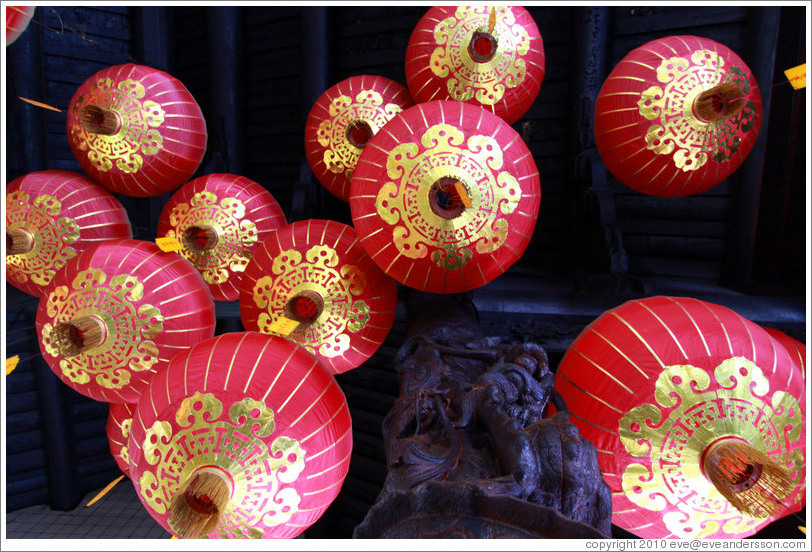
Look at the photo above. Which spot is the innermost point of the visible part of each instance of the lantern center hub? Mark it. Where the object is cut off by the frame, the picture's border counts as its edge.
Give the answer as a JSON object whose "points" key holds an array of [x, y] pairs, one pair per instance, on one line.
{"points": [[79, 335], [483, 46], [721, 102], [197, 508], [448, 197], [201, 237], [305, 307], [99, 120], [359, 133], [18, 241]]}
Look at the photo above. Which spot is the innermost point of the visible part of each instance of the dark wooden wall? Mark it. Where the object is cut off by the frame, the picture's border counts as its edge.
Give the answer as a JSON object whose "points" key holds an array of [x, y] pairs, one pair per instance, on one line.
{"points": [[741, 243]]}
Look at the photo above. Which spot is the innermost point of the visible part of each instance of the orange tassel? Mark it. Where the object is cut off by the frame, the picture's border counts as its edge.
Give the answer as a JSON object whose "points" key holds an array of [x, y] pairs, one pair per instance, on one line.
{"points": [[105, 490]]}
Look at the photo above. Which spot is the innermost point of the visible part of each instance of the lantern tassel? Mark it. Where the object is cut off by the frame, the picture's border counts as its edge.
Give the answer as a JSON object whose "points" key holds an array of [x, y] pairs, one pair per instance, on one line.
{"points": [[753, 483], [79, 335], [195, 510]]}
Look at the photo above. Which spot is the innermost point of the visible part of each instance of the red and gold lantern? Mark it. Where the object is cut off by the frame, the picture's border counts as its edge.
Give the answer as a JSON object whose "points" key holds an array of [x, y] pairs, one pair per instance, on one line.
{"points": [[218, 220], [136, 130], [17, 20], [677, 116], [490, 56], [51, 216], [119, 422], [343, 120], [446, 198], [314, 284], [697, 416], [244, 435], [117, 313]]}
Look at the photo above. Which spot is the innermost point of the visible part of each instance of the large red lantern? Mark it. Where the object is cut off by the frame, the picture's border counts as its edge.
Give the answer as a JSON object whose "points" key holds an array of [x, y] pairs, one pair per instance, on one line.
{"points": [[446, 198], [315, 275], [136, 130], [677, 116], [219, 219], [343, 120], [117, 313], [17, 20], [244, 435], [490, 56], [119, 422], [51, 216], [697, 416]]}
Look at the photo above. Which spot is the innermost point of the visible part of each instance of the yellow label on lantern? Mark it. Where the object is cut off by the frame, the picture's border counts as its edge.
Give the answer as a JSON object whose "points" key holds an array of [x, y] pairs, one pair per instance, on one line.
{"points": [[463, 193], [11, 363], [797, 76], [168, 244], [284, 325]]}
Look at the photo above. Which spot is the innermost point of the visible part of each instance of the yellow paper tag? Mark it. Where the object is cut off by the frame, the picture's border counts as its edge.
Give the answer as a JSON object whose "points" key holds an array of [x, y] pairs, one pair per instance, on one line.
{"points": [[492, 20], [11, 363], [168, 244], [463, 193], [797, 76], [284, 325], [40, 104]]}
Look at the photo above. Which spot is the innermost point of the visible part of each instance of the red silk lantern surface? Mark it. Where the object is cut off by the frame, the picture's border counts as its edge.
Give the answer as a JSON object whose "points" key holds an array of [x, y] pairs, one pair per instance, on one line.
{"points": [[343, 120], [17, 20], [117, 313], [677, 116], [490, 56], [136, 130], [219, 219], [51, 216], [256, 409], [316, 274], [119, 422], [654, 383], [445, 198], [795, 348]]}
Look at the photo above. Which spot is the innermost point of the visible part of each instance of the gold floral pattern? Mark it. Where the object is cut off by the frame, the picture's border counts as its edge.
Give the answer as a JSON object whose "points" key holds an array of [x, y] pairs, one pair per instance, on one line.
{"points": [[485, 81], [137, 134], [235, 234], [474, 161], [53, 236], [692, 412], [237, 445], [337, 285], [676, 130], [130, 327]]}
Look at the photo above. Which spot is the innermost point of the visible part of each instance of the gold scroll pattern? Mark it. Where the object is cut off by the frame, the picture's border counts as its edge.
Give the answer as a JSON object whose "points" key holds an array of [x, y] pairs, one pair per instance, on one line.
{"points": [[130, 327], [690, 414], [320, 272], [53, 236], [124, 452], [443, 152], [676, 129], [237, 445], [485, 81], [137, 135], [235, 234], [340, 155]]}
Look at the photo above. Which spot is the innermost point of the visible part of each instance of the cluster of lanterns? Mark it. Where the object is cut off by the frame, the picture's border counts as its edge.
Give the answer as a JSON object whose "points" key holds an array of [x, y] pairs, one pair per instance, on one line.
{"points": [[247, 434]]}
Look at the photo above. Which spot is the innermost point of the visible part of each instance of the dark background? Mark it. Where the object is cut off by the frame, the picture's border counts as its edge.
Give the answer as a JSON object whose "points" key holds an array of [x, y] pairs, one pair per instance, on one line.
{"points": [[256, 71]]}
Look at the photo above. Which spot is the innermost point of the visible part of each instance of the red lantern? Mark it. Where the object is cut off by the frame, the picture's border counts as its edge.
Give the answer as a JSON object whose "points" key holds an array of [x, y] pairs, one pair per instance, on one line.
{"points": [[245, 435], [795, 348], [219, 219], [17, 20], [343, 120], [117, 313], [490, 56], [677, 116], [51, 216], [314, 284], [119, 423], [445, 199], [697, 416], [136, 130]]}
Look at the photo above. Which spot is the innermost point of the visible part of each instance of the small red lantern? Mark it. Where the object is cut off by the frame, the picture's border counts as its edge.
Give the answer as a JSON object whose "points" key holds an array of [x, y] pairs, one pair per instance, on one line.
{"points": [[17, 20], [698, 417], [343, 120], [136, 130], [51, 216], [119, 423], [244, 435], [117, 313], [490, 56], [446, 198], [219, 219], [677, 116], [314, 284]]}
